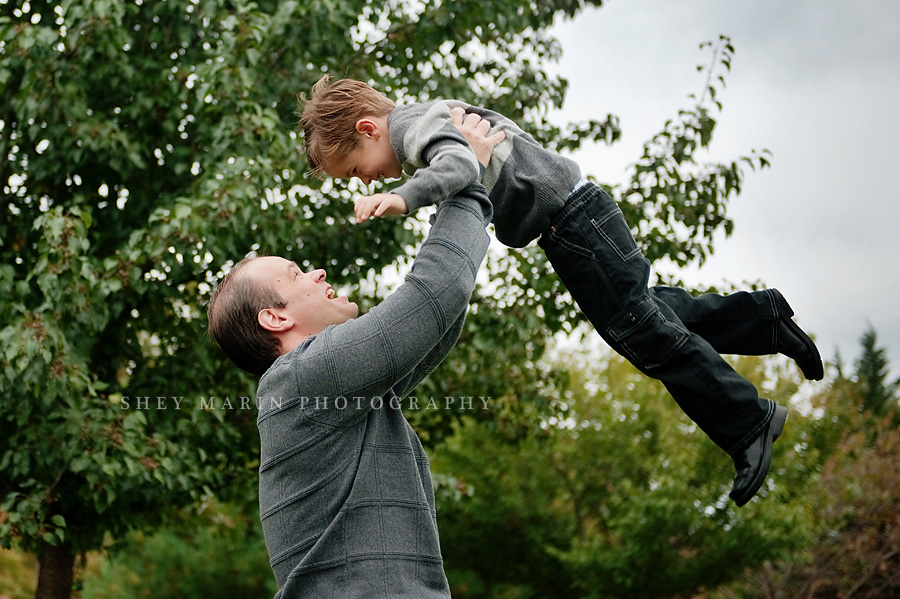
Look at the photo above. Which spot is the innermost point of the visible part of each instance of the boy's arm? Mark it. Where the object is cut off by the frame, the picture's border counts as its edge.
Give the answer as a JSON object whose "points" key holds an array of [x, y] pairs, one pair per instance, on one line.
{"points": [[430, 143], [477, 133]]}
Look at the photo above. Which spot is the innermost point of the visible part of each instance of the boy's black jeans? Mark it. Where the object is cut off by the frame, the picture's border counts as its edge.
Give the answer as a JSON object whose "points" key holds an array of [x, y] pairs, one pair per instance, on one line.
{"points": [[665, 332]]}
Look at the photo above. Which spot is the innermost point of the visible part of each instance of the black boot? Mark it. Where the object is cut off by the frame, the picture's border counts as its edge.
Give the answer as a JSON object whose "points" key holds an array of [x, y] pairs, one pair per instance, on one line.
{"points": [[794, 343], [752, 464]]}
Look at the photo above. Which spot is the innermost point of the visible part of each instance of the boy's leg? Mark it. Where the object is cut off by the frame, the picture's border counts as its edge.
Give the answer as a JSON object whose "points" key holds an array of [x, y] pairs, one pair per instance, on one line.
{"points": [[591, 248], [745, 323]]}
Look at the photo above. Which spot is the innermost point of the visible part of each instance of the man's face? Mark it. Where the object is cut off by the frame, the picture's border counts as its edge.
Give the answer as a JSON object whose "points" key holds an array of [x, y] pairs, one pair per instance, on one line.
{"points": [[373, 159], [311, 303]]}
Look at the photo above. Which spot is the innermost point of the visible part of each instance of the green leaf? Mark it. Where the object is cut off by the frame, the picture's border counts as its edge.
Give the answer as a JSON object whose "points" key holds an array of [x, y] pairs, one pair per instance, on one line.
{"points": [[80, 464], [182, 211]]}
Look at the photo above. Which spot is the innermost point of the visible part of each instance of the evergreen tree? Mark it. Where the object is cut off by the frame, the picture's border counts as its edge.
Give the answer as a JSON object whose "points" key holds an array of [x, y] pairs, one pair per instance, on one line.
{"points": [[872, 372]]}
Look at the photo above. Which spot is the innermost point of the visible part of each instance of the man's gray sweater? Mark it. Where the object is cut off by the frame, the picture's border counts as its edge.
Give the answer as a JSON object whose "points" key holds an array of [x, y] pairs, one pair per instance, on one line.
{"points": [[527, 184], [346, 501]]}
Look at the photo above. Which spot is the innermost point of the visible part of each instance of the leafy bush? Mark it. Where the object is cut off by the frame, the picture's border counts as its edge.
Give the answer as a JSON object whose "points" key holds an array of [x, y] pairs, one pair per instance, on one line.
{"points": [[217, 561]]}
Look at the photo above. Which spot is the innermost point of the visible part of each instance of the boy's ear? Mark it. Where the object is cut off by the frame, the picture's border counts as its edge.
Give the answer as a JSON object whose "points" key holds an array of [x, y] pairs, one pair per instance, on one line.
{"points": [[367, 126]]}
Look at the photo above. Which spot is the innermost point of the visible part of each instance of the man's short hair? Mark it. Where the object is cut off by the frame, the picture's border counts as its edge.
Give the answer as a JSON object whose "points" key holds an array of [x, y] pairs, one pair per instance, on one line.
{"points": [[233, 319], [328, 118]]}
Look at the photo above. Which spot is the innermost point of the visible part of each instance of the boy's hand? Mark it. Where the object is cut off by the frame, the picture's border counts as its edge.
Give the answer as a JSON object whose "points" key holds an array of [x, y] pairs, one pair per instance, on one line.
{"points": [[379, 204], [475, 129]]}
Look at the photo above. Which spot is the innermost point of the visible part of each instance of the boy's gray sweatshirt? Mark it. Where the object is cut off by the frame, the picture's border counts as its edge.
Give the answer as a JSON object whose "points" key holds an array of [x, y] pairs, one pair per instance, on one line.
{"points": [[345, 494], [526, 183]]}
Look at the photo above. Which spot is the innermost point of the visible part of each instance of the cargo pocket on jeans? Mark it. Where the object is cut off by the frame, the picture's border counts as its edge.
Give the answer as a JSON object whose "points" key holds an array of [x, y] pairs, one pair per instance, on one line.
{"points": [[611, 226], [645, 336]]}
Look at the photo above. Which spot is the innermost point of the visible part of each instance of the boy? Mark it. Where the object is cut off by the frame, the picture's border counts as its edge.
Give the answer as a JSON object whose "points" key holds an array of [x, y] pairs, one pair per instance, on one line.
{"points": [[351, 130]]}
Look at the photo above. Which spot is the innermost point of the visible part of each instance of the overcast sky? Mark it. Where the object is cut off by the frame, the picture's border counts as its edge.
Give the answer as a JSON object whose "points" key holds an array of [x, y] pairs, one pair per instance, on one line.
{"points": [[816, 82]]}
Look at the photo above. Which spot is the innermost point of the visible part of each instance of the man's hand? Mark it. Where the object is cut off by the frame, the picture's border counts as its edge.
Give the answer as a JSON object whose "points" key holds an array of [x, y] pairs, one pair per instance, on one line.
{"points": [[379, 204], [475, 129]]}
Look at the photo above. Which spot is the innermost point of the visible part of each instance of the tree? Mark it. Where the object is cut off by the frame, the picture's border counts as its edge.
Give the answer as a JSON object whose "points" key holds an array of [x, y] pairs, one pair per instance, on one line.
{"points": [[224, 557], [878, 395], [852, 494], [856, 552], [148, 146], [616, 495]]}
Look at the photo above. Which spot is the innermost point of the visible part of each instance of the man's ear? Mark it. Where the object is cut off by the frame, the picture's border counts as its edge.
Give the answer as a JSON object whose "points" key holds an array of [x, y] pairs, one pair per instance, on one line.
{"points": [[274, 321], [369, 127]]}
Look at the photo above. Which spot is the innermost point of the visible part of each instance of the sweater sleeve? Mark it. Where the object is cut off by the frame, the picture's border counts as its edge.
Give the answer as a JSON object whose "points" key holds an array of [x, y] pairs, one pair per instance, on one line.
{"points": [[442, 161], [340, 370], [432, 360]]}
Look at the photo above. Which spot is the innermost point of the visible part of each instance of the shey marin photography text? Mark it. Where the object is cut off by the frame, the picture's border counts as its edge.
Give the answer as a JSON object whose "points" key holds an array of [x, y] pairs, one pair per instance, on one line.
{"points": [[243, 402]]}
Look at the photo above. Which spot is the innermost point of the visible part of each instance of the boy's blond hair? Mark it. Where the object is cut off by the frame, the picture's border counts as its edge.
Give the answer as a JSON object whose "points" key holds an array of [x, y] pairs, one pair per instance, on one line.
{"points": [[328, 118]]}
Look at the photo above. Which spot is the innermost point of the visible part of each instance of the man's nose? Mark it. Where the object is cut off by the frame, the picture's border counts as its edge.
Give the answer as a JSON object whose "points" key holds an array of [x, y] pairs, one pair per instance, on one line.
{"points": [[317, 275]]}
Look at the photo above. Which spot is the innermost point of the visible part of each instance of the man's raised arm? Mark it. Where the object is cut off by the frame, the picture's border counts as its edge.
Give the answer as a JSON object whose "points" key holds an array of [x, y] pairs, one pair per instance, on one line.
{"points": [[367, 356]]}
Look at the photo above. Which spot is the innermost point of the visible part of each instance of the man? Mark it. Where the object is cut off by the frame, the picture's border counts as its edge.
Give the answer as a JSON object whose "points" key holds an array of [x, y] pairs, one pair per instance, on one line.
{"points": [[346, 501]]}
